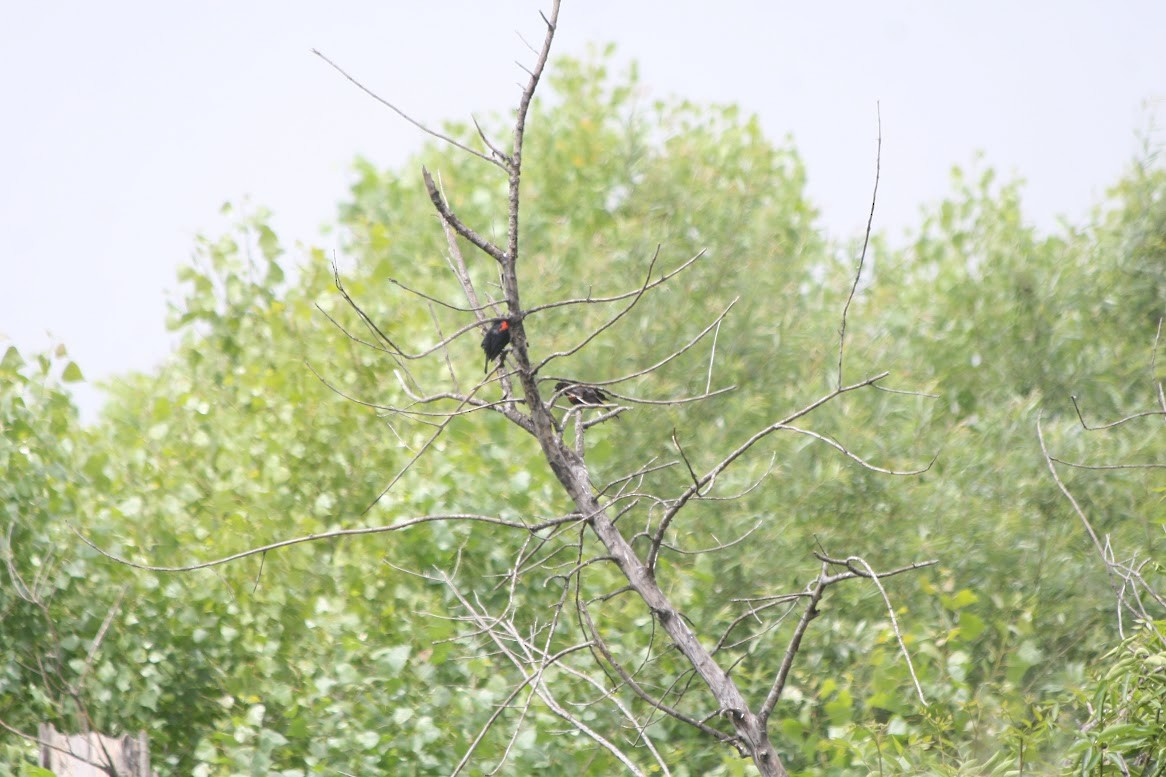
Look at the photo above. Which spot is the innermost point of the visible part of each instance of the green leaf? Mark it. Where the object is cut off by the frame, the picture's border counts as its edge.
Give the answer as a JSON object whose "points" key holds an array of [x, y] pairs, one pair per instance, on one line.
{"points": [[971, 626], [11, 363], [72, 373], [960, 600]]}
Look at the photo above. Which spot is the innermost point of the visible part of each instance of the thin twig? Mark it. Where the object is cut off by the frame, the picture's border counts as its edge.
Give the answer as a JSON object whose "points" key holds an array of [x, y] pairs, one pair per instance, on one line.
{"points": [[328, 535], [607, 324], [449, 217], [458, 265], [752, 612], [1119, 422], [719, 546], [810, 612], [1040, 435], [744, 447], [628, 680], [854, 457], [360, 311], [407, 117], [536, 681], [678, 352], [95, 645], [708, 386], [497, 152], [894, 623], [663, 402], [1075, 465], [435, 300], [865, 243], [589, 300], [684, 458]]}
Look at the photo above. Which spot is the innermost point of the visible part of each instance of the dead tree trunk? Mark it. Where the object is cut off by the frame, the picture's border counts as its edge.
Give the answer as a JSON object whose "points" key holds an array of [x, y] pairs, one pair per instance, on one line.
{"points": [[94, 755]]}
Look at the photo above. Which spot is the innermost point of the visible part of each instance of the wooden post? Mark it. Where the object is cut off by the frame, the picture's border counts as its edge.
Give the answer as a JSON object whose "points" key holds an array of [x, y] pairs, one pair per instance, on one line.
{"points": [[94, 755]]}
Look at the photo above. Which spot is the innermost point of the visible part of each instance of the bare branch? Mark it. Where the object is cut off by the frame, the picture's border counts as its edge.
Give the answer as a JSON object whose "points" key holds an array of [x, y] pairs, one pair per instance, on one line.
{"points": [[905, 392], [413, 460], [1107, 466], [752, 613], [1040, 435], [745, 491], [1129, 575], [839, 447], [1119, 422], [458, 225], [394, 349], [444, 351], [636, 688], [589, 300], [647, 469], [407, 117], [536, 680], [472, 326], [506, 406], [498, 153], [609, 323], [328, 535], [684, 457], [724, 463], [668, 402], [674, 355], [349, 335], [95, 645], [865, 242], [458, 265], [874, 578], [18, 582], [708, 386], [719, 546], [343, 394], [810, 612], [1154, 368], [519, 136], [435, 300], [505, 705], [360, 312], [853, 571], [526, 43]]}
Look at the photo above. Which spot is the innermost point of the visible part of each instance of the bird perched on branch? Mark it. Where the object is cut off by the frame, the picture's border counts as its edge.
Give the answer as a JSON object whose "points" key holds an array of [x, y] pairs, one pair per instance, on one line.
{"points": [[496, 340], [580, 394]]}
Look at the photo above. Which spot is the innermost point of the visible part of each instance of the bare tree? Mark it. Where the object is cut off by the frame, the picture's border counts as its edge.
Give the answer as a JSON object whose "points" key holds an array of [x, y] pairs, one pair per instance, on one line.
{"points": [[562, 659]]}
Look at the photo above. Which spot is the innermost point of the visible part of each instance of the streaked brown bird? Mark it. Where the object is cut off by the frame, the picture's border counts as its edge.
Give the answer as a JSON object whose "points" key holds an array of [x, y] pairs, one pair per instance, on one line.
{"points": [[581, 394]]}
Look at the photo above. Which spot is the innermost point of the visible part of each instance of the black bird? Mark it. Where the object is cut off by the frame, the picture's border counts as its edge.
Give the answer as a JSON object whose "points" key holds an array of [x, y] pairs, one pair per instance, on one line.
{"points": [[495, 340], [580, 394]]}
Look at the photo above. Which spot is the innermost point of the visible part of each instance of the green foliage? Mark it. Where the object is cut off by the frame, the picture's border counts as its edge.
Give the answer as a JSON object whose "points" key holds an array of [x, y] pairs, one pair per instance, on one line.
{"points": [[1126, 728], [326, 657], [39, 454]]}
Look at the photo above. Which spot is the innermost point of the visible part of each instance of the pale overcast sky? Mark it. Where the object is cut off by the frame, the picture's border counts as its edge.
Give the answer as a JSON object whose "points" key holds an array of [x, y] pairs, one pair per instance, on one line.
{"points": [[126, 124]]}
